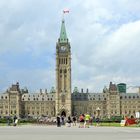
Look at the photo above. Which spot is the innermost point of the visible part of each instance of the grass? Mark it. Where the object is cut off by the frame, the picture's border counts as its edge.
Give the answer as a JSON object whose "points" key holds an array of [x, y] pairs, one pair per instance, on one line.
{"points": [[108, 124], [116, 125], [94, 124]]}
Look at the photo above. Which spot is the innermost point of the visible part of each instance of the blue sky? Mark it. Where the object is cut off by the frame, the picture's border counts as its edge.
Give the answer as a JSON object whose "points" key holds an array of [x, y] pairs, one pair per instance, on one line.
{"points": [[104, 36]]}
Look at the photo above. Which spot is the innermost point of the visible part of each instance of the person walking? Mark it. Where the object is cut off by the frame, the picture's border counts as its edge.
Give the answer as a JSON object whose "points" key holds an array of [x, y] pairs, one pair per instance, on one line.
{"points": [[87, 119], [8, 120], [69, 121], [74, 120], [58, 122], [81, 121], [97, 121], [62, 119], [15, 120]]}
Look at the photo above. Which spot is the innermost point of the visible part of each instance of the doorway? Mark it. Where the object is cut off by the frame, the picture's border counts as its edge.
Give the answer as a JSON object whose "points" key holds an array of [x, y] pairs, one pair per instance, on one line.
{"points": [[63, 113]]}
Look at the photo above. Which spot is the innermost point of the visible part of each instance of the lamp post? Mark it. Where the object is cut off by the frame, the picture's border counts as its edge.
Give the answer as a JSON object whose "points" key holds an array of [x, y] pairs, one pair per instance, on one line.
{"points": [[98, 115], [98, 112]]}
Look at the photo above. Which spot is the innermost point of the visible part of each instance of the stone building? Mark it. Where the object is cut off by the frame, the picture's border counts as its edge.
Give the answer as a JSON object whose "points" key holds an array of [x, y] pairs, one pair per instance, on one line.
{"points": [[113, 101]]}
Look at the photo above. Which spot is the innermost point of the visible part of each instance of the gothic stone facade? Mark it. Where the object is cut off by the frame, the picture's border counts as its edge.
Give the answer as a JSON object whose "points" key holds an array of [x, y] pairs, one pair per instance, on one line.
{"points": [[19, 102], [110, 102]]}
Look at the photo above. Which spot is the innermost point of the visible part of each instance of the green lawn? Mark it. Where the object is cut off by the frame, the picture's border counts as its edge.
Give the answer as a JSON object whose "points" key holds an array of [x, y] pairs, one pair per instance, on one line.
{"points": [[115, 125], [94, 124]]}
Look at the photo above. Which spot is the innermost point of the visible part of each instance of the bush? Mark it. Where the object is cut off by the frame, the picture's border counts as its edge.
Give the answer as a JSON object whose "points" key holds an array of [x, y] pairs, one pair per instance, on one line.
{"points": [[116, 119], [5, 120], [31, 120]]}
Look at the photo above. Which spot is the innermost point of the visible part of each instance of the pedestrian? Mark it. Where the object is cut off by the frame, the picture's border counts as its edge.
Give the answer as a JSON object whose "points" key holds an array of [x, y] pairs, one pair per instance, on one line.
{"points": [[74, 120], [62, 120], [69, 121], [58, 121], [87, 119], [97, 121], [81, 121], [15, 120], [8, 120]]}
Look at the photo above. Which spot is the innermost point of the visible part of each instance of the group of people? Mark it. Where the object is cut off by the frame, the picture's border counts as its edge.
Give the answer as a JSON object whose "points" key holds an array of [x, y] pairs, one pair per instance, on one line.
{"points": [[84, 120], [62, 120], [15, 120]]}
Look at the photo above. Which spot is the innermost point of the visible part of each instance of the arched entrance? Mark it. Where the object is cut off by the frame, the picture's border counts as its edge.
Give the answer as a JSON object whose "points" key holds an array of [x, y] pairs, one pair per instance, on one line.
{"points": [[63, 113]]}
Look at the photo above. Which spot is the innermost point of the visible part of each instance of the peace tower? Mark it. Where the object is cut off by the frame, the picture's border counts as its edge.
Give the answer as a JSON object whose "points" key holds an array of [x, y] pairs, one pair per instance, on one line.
{"points": [[63, 74]]}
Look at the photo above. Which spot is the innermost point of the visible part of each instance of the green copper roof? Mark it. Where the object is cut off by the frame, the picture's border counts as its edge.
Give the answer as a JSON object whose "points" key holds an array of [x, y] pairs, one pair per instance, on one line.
{"points": [[63, 34]]}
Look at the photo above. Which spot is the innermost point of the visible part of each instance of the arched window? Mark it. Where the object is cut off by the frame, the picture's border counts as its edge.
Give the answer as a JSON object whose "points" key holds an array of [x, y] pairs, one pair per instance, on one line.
{"points": [[64, 60], [65, 71], [60, 70], [63, 98], [59, 60]]}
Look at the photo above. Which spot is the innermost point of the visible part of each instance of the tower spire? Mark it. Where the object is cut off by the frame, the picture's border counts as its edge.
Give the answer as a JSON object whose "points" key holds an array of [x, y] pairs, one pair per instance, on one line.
{"points": [[63, 35]]}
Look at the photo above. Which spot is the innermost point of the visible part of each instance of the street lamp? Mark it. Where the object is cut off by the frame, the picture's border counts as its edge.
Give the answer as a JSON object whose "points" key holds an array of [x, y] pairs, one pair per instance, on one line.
{"points": [[98, 111]]}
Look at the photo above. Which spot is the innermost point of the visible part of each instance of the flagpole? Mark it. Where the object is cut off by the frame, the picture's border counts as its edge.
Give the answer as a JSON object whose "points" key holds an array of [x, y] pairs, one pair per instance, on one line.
{"points": [[63, 15], [64, 12]]}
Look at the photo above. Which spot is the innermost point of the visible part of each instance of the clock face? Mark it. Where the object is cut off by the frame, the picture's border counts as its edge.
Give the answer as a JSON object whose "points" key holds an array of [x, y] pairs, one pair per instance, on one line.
{"points": [[63, 48]]}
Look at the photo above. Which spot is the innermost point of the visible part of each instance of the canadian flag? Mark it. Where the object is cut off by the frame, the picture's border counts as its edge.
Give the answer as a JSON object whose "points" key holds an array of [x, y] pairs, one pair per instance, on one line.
{"points": [[65, 11]]}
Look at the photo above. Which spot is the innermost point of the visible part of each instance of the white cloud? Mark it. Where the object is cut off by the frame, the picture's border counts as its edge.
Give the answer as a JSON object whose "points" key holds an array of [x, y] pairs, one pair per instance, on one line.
{"points": [[114, 59], [104, 38]]}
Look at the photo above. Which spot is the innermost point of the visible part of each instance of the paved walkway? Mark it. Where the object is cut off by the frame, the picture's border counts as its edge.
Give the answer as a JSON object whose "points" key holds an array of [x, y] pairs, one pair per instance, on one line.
{"points": [[64, 133]]}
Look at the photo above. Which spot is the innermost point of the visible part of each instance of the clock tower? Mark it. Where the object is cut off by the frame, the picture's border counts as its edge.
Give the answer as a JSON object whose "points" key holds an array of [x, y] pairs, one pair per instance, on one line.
{"points": [[63, 74]]}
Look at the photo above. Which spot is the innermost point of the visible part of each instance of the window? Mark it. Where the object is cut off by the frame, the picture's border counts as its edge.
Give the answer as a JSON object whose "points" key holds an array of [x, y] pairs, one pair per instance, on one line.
{"points": [[60, 71], [63, 98], [65, 71], [59, 60]]}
